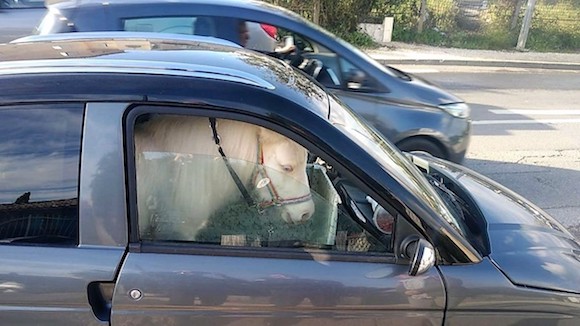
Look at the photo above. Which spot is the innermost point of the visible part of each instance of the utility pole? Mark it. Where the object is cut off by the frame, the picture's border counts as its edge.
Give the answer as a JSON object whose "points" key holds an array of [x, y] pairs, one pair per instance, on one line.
{"points": [[526, 25], [316, 12], [422, 16], [516, 14]]}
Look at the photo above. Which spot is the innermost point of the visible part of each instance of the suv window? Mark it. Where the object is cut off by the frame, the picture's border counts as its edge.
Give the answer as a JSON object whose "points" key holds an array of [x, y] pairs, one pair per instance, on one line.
{"points": [[39, 168], [186, 190]]}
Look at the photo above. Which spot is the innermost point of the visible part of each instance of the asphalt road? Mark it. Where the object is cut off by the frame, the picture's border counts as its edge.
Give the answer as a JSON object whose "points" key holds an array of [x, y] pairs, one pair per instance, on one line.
{"points": [[526, 131]]}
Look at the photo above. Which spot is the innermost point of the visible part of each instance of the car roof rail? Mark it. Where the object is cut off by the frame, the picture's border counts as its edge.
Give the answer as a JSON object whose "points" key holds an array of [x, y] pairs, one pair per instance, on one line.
{"points": [[133, 67]]}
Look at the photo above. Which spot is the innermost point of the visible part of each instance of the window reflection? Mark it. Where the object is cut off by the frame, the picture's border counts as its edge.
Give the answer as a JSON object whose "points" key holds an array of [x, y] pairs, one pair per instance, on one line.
{"points": [[39, 163], [24, 4]]}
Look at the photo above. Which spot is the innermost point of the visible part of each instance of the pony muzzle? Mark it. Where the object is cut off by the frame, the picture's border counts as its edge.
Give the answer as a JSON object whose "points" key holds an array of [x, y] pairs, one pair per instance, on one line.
{"points": [[294, 210], [298, 212]]}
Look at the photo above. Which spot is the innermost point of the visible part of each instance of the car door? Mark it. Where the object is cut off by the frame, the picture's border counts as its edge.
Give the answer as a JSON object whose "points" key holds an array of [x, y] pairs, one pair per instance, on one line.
{"points": [[56, 264], [249, 266]]}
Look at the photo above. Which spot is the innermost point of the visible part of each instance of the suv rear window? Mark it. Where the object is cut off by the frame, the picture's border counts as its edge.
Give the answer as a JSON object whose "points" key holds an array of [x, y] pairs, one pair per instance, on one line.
{"points": [[39, 169]]}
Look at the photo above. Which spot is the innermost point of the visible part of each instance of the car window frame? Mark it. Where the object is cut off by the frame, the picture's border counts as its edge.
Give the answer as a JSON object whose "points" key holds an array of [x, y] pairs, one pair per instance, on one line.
{"points": [[138, 245]]}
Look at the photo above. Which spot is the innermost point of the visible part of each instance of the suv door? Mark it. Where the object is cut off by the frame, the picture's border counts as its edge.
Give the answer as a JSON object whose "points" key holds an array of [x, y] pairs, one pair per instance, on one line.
{"points": [[247, 266]]}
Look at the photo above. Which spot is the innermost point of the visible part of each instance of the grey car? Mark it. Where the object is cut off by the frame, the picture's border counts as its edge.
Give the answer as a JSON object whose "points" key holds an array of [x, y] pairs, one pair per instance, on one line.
{"points": [[411, 112], [19, 18], [161, 181]]}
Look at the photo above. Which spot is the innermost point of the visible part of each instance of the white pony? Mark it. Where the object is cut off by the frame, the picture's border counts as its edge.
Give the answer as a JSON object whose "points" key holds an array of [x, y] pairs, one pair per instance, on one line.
{"points": [[182, 179]]}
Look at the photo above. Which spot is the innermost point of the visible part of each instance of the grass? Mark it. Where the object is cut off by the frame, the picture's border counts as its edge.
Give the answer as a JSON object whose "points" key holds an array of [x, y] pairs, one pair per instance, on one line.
{"points": [[555, 27], [358, 38]]}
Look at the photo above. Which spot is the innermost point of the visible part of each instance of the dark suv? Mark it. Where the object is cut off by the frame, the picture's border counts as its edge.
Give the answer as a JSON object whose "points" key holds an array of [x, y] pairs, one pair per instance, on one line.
{"points": [[153, 181], [411, 112]]}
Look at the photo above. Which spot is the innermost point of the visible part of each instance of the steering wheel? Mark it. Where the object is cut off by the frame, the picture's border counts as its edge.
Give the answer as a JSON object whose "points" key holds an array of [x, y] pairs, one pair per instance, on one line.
{"points": [[290, 52]]}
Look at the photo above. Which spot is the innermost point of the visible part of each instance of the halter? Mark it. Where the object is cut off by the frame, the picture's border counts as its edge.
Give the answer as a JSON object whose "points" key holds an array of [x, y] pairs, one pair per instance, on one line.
{"points": [[260, 171], [276, 199]]}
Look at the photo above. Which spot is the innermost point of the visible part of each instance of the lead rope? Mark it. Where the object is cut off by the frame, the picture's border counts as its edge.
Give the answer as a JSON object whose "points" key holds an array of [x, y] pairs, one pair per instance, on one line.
{"points": [[239, 183]]}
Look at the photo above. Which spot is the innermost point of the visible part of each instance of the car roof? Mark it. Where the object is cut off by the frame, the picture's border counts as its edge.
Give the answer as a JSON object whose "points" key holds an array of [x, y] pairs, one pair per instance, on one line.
{"points": [[82, 3], [241, 4], [161, 54], [245, 9]]}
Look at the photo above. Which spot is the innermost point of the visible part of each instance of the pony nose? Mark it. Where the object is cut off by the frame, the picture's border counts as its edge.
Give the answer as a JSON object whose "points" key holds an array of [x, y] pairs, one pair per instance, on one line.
{"points": [[306, 216], [301, 217]]}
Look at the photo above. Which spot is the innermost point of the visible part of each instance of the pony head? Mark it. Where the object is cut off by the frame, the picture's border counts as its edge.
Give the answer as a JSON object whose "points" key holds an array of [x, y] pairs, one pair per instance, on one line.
{"points": [[281, 178]]}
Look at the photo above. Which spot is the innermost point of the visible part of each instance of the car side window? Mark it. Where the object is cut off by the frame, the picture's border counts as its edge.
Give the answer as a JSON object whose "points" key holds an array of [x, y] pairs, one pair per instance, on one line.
{"points": [[176, 25], [354, 78], [39, 169], [238, 184], [16, 4], [323, 64], [226, 28]]}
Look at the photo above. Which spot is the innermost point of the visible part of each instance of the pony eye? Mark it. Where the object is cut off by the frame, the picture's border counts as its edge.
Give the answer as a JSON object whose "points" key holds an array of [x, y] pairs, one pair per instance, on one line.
{"points": [[287, 168]]}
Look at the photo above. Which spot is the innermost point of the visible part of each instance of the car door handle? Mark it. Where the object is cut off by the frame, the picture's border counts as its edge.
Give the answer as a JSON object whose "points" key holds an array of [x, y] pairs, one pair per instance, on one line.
{"points": [[100, 295]]}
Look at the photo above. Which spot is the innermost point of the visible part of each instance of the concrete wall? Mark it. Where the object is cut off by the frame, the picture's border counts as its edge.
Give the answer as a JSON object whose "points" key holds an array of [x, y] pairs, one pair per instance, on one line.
{"points": [[381, 33]]}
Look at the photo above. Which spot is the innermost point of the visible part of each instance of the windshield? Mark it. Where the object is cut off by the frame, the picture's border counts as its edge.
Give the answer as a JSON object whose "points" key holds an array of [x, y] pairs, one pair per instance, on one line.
{"points": [[392, 160]]}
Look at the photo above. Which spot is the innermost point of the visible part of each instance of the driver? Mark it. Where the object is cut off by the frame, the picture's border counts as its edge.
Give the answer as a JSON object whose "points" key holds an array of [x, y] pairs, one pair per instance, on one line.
{"points": [[244, 33], [287, 46]]}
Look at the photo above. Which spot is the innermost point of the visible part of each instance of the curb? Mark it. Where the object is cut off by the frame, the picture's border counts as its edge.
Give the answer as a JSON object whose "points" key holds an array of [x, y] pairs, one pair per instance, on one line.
{"points": [[484, 63]]}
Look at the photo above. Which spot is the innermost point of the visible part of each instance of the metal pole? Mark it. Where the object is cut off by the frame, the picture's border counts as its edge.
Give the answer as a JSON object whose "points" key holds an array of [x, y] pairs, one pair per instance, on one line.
{"points": [[526, 25]]}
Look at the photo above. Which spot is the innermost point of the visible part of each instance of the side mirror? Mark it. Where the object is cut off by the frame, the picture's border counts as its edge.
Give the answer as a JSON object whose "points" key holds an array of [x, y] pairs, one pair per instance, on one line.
{"points": [[355, 79], [421, 253]]}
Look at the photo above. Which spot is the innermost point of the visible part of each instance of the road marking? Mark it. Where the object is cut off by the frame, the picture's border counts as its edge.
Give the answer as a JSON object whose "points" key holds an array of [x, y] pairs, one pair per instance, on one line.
{"points": [[542, 121], [421, 70], [537, 112]]}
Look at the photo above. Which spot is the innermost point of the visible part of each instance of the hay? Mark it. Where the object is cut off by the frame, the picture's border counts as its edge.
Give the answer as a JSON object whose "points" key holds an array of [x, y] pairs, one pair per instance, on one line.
{"points": [[239, 224]]}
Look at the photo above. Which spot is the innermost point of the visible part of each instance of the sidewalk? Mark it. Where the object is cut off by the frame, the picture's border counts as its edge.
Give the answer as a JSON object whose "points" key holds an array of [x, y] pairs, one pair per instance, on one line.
{"points": [[403, 53]]}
